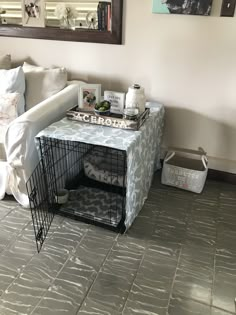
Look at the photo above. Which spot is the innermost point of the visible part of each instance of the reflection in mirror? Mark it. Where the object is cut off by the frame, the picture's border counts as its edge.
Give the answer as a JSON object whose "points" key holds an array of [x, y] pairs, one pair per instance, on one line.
{"points": [[74, 14], [87, 25]]}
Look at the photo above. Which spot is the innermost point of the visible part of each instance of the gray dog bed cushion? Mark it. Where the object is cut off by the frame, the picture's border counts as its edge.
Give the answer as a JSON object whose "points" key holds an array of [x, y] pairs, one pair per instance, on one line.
{"points": [[105, 168]]}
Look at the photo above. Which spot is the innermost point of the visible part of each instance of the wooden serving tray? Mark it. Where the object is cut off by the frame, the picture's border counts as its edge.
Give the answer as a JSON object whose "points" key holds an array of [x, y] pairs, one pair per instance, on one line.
{"points": [[113, 120]]}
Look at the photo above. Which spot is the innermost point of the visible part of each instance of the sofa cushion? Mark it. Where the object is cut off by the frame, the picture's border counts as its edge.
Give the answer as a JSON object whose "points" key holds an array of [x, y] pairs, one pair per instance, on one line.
{"points": [[42, 83], [8, 112], [13, 81], [5, 61]]}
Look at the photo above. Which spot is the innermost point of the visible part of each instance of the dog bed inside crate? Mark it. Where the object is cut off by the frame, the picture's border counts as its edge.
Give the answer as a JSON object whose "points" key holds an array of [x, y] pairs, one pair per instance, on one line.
{"points": [[95, 204], [106, 166]]}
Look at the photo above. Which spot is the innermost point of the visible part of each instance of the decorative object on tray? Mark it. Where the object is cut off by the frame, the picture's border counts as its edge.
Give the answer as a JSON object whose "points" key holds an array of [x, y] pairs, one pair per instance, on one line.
{"points": [[33, 13], [89, 95], [66, 14], [117, 100], [102, 108], [135, 98], [113, 120], [195, 7], [131, 113]]}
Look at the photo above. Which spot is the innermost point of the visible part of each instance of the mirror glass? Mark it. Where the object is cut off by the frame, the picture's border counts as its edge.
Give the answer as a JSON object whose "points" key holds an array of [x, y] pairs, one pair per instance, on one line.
{"points": [[73, 14], [68, 20]]}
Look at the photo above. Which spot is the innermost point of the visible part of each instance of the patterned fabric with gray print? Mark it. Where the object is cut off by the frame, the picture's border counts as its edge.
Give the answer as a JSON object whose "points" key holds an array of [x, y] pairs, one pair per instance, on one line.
{"points": [[142, 148]]}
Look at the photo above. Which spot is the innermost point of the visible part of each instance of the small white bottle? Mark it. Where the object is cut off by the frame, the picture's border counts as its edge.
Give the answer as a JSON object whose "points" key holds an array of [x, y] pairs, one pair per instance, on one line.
{"points": [[135, 98]]}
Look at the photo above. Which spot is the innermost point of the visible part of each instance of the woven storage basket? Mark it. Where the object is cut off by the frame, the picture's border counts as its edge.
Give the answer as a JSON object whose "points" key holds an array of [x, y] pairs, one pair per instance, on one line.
{"points": [[185, 169]]}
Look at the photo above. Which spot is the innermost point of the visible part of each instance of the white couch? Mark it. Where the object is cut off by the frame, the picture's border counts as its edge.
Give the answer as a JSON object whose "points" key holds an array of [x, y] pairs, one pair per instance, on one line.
{"points": [[20, 150]]}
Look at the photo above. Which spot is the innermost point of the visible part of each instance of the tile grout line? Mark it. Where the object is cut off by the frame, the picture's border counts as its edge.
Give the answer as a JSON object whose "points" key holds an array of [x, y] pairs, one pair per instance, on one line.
{"points": [[141, 261], [69, 256], [214, 266], [90, 288], [188, 216], [131, 287], [206, 304]]}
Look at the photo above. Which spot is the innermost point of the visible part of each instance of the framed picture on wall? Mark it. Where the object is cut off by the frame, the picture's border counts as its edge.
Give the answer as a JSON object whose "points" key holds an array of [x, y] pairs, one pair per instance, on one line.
{"points": [[33, 13], [195, 7], [89, 95]]}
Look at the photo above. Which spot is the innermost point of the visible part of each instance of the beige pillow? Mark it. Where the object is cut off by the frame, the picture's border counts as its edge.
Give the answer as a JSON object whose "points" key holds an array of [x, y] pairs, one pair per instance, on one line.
{"points": [[5, 61], [42, 83]]}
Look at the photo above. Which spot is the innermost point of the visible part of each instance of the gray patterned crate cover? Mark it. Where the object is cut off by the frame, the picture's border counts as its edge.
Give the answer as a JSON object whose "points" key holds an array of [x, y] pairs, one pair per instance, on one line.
{"points": [[142, 147]]}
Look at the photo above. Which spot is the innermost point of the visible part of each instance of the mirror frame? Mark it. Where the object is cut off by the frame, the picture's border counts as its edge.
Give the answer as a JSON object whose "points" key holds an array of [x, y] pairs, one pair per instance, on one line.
{"points": [[80, 35]]}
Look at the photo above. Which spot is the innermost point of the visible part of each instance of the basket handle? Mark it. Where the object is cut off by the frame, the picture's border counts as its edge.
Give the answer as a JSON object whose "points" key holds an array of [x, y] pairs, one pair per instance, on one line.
{"points": [[204, 161], [200, 151], [169, 156]]}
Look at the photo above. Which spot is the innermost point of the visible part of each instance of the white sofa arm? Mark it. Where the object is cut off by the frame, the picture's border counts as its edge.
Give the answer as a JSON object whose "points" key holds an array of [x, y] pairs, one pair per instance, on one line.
{"points": [[22, 156]]}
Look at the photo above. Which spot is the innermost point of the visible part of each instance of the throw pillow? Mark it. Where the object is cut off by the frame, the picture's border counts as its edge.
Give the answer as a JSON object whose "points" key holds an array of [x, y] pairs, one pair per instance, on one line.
{"points": [[5, 61], [42, 83], [8, 107], [12, 81], [8, 112]]}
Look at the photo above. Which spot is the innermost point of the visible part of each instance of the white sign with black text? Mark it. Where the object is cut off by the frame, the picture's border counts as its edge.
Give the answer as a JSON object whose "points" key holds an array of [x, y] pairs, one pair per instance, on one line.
{"points": [[117, 100]]}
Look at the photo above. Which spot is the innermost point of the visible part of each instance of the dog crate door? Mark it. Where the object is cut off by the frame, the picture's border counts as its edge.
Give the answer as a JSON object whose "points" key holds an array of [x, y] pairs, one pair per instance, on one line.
{"points": [[41, 188]]}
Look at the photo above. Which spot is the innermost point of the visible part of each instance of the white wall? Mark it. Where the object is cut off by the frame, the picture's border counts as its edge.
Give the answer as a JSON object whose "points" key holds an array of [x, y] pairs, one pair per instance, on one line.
{"points": [[186, 62]]}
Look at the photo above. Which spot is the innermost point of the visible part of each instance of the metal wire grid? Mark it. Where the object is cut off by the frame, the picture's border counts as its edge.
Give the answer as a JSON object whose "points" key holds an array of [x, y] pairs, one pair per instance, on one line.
{"points": [[62, 167]]}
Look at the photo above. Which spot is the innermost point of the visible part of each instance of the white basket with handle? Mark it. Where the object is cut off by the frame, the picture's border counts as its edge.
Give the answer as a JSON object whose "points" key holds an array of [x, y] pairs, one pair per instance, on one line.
{"points": [[185, 169]]}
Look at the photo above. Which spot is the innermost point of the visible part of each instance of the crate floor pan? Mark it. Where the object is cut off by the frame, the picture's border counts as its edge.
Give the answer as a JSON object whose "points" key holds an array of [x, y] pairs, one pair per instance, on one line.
{"points": [[94, 205]]}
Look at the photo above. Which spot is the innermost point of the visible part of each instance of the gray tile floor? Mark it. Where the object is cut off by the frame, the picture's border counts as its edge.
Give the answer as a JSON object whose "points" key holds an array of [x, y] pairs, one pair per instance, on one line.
{"points": [[178, 258]]}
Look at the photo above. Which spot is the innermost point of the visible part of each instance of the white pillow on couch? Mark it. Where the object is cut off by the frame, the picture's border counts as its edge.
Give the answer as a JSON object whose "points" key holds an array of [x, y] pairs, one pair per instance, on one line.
{"points": [[42, 83], [13, 81]]}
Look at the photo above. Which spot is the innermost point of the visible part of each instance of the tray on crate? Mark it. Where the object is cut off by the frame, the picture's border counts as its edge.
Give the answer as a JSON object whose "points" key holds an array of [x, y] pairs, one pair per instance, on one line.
{"points": [[113, 120]]}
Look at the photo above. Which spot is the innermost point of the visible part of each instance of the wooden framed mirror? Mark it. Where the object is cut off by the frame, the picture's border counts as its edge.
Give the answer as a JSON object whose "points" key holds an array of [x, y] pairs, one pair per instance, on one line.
{"points": [[80, 34]]}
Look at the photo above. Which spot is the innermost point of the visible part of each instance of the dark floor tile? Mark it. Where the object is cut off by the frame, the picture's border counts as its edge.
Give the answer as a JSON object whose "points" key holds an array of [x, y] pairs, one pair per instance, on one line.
{"points": [[46, 265], [16, 221], [139, 304], [94, 247], [84, 269], [67, 236], [68, 290], [158, 270], [124, 259], [224, 292], [55, 302], [4, 211], [22, 296], [164, 247], [182, 306], [7, 276], [110, 290], [226, 239], [226, 265], [194, 276], [91, 307], [218, 311]]}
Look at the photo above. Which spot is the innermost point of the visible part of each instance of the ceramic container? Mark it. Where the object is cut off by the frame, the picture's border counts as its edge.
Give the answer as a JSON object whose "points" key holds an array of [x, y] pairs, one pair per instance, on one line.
{"points": [[135, 98]]}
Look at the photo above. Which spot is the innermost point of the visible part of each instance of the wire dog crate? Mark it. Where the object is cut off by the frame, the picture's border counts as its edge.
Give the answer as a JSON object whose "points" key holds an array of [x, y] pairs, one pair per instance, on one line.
{"points": [[95, 177]]}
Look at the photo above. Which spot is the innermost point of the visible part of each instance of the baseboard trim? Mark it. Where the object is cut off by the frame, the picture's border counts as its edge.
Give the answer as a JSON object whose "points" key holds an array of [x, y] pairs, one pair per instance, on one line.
{"points": [[221, 176]]}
